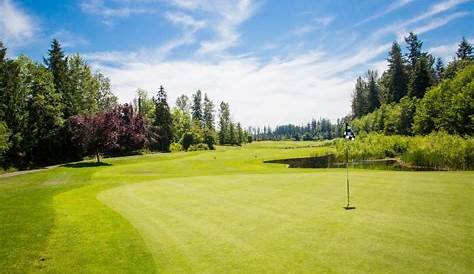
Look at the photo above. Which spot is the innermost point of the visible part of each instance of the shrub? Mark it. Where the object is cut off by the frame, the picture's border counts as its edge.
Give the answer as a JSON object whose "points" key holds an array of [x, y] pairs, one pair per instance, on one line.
{"points": [[198, 147], [438, 150], [373, 146], [187, 140], [175, 147], [4, 135]]}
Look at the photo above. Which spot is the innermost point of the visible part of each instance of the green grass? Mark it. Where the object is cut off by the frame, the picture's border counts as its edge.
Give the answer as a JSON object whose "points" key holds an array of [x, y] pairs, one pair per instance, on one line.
{"points": [[225, 211]]}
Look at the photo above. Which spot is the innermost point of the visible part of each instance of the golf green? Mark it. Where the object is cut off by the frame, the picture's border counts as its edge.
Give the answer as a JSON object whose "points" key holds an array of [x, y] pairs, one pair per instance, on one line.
{"points": [[226, 211]]}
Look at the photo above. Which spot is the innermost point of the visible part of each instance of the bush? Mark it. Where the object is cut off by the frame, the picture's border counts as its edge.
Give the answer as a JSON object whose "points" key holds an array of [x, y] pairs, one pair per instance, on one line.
{"points": [[198, 147], [438, 150], [187, 140], [373, 146], [175, 147], [4, 135]]}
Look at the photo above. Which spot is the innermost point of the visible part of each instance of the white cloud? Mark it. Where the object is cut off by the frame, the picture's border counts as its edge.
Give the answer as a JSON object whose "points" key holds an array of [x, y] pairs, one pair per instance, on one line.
{"points": [[401, 28], [282, 90], [317, 24], [447, 51], [324, 20], [226, 17], [16, 27], [119, 9], [438, 22], [392, 7], [69, 39]]}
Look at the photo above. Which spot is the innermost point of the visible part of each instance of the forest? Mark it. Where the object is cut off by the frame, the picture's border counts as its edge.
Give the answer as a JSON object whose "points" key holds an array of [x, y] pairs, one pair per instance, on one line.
{"points": [[417, 94], [61, 110]]}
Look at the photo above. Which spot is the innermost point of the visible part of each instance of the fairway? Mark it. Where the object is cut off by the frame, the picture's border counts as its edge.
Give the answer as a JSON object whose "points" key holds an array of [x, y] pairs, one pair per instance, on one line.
{"points": [[226, 211]]}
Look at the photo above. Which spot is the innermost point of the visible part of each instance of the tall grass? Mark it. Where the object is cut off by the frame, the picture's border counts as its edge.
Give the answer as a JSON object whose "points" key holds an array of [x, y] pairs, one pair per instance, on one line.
{"points": [[438, 150]]}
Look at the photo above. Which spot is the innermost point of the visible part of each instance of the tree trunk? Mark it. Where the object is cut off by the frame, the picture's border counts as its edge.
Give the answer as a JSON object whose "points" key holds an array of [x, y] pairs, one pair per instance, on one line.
{"points": [[97, 155]]}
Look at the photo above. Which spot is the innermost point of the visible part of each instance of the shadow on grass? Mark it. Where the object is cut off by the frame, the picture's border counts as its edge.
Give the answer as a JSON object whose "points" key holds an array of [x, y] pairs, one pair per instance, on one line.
{"points": [[86, 164]]}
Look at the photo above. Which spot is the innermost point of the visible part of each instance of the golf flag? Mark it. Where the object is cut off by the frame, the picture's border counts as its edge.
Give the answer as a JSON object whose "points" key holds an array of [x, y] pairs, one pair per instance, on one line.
{"points": [[348, 134]]}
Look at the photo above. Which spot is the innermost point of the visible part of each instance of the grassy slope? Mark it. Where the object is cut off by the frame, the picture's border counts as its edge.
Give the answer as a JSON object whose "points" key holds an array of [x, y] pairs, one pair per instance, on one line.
{"points": [[225, 210]]}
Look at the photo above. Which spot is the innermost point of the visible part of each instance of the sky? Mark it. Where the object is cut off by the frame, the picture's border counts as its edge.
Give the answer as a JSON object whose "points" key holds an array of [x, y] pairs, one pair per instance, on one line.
{"points": [[274, 61]]}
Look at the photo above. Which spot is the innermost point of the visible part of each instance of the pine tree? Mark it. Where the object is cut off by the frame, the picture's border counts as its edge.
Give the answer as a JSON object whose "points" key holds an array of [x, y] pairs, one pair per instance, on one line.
{"points": [[232, 136], [224, 123], [414, 49], [359, 99], [439, 69], [208, 117], [464, 50], [57, 63], [397, 85], [197, 108], [3, 78], [373, 97], [163, 123], [421, 78], [240, 135]]}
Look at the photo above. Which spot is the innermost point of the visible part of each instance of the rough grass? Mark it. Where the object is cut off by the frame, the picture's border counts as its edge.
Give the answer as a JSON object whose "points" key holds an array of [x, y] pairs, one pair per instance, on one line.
{"points": [[225, 211]]}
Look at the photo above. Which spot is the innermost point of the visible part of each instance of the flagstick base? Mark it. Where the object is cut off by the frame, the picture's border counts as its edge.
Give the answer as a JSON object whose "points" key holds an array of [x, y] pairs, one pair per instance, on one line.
{"points": [[348, 207]]}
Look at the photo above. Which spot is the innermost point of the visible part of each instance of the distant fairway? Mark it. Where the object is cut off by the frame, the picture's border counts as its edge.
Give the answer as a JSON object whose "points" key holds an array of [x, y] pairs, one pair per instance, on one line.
{"points": [[227, 212]]}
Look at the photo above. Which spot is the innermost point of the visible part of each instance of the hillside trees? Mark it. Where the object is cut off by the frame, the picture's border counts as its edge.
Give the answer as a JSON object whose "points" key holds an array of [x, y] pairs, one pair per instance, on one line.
{"points": [[439, 99]]}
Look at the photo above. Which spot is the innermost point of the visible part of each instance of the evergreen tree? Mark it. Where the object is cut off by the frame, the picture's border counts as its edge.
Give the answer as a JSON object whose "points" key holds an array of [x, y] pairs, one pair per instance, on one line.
{"points": [[232, 134], [3, 80], [359, 99], [57, 63], [224, 123], [414, 49], [421, 78], [208, 117], [397, 85], [439, 69], [464, 50], [240, 135], [163, 123], [197, 108], [373, 97]]}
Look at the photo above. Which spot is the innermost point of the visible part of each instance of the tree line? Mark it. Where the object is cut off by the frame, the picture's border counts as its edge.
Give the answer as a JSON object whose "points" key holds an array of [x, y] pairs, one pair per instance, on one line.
{"points": [[321, 129], [61, 110], [418, 93], [190, 124]]}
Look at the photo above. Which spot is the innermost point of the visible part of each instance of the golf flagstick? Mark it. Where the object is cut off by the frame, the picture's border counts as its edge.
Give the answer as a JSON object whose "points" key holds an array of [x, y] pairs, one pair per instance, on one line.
{"points": [[348, 136]]}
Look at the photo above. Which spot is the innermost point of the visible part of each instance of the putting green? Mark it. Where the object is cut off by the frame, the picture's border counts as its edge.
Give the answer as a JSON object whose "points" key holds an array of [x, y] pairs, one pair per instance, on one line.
{"points": [[295, 222], [225, 211]]}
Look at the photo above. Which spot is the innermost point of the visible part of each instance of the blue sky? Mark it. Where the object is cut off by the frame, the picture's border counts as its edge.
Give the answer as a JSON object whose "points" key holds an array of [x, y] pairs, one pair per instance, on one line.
{"points": [[274, 61]]}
